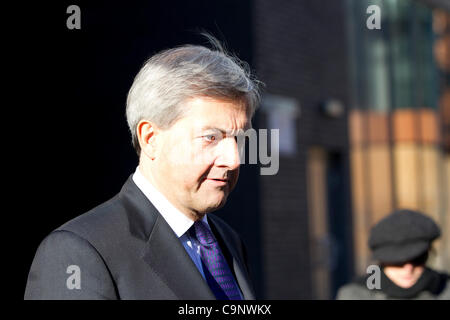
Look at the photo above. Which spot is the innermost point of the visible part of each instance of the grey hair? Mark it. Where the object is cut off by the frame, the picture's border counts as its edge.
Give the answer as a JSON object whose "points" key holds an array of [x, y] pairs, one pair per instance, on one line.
{"points": [[170, 77]]}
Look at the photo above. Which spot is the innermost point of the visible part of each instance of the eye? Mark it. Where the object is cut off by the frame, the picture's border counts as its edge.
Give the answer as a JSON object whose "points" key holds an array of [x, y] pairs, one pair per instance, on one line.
{"points": [[210, 137]]}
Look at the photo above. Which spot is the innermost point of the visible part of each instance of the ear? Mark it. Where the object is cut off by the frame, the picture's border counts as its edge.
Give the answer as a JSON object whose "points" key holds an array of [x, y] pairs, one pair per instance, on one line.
{"points": [[147, 134]]}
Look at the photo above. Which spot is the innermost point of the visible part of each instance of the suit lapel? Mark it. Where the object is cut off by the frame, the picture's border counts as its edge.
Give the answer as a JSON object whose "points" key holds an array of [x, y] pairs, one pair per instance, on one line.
{"points": [[237, 264], [163, 251]]}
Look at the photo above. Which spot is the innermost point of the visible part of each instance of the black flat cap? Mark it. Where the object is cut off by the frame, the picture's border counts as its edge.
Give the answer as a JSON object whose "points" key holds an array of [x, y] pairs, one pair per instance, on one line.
{"points": [[402, 236]]}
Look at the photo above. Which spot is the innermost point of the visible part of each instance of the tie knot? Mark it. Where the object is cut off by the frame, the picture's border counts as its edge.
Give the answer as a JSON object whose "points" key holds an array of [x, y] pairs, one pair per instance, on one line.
{"points": [[203, 234]]}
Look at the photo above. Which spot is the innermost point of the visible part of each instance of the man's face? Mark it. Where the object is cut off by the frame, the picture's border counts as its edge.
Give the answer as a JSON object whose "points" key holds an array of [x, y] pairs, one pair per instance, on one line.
{"points": [[405, 275], [197, 160]]}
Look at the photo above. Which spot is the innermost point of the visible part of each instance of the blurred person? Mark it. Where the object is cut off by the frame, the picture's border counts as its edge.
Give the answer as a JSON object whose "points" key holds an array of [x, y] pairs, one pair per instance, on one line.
{"points": [[401, 243], [156, 239]]}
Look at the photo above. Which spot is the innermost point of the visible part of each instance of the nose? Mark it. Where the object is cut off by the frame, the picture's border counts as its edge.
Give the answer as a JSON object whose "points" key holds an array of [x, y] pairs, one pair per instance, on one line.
{"points": [[228, 154], [408, 267]]}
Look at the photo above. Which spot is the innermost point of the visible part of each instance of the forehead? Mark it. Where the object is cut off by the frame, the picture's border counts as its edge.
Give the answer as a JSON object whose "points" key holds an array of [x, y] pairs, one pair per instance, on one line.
{"points": [[226, 115]]}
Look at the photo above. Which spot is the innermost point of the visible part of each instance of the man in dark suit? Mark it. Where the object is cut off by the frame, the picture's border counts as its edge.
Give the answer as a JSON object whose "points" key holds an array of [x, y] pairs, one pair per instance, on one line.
{"points": [[155, 238]]}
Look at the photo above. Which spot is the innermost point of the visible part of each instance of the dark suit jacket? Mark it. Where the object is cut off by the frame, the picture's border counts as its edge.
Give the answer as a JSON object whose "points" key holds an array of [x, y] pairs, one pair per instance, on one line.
{"points": [[126, 250]]}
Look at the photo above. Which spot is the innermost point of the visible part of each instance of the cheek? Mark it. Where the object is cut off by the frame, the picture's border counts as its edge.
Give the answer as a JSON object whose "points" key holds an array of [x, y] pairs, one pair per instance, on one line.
{"points": [[189, 176], [192, 175], [201, 160], [188, 161], [418, 271], [179, 153]]}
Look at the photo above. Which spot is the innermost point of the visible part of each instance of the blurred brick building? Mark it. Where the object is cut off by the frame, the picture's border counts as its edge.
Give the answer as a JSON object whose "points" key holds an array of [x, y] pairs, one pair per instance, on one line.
{"points": [[300, 53], [371, 133]]}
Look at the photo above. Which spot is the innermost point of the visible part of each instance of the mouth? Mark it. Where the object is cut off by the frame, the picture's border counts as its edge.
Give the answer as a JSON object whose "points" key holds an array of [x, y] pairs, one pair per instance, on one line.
{"points": [[218, 181]]}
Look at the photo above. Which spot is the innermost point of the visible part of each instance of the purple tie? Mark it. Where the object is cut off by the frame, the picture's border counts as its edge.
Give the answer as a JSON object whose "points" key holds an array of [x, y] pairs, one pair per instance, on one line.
{"points": [[218, 274]]}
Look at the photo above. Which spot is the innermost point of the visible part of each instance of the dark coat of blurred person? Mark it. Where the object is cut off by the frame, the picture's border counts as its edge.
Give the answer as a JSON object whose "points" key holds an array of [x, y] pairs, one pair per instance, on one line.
{"points": [[401, 243]]}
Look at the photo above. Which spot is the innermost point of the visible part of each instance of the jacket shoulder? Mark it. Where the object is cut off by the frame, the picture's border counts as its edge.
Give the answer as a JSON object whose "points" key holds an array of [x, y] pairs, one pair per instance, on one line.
{"points": [[102, 221], [67, 266]]}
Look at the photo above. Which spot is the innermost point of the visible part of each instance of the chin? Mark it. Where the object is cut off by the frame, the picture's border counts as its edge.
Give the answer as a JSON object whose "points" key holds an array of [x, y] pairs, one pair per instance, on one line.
{"points": [[404, 283], [215, 205]]}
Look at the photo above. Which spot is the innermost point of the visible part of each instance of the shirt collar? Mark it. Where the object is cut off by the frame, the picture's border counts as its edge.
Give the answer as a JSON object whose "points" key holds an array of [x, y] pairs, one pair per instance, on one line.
{"points": [[174, 217]]}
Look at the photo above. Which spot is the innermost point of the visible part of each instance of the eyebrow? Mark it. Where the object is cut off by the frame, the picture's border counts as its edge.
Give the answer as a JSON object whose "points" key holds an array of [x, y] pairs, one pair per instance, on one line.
{"points": [[204, 128], [224, 130]]}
